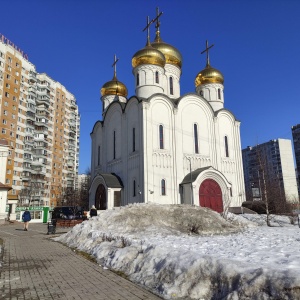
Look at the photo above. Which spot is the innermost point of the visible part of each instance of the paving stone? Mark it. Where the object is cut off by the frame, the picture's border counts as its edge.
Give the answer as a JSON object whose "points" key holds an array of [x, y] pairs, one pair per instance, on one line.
{"points": [[36, 267]]}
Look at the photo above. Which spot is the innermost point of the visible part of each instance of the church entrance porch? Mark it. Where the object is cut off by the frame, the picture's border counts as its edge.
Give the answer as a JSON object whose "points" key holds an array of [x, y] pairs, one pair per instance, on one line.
{"points": [[100, 198], [105, 191], [208, 185], [210, 195]]}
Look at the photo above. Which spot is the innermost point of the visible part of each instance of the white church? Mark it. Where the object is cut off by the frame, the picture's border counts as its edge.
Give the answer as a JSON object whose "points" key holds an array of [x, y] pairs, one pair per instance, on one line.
{"points": [[160, 146]]}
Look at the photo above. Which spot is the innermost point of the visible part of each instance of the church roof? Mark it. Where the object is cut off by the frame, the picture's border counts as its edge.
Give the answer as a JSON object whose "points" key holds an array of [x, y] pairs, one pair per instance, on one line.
{"points": [[112, 180], [195, 174]]}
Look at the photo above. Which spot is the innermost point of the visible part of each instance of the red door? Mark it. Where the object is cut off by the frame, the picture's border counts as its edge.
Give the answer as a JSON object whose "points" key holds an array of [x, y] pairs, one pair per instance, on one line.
{"points": [[210, 195]]}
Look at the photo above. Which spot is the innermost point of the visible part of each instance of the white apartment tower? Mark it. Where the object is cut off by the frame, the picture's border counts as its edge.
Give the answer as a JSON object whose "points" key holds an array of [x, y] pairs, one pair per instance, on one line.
{"points": [[40, 120]]}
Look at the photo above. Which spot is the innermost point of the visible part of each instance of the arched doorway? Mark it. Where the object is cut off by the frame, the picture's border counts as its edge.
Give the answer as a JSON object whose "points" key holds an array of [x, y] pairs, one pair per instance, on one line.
{"points": [[100, 198], [210, 195]]}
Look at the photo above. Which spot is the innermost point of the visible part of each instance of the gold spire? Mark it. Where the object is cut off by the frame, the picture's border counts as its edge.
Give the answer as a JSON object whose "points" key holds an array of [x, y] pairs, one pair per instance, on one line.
{"points": [[171, 54], [208, 74], [114, 87], [148, 55]]}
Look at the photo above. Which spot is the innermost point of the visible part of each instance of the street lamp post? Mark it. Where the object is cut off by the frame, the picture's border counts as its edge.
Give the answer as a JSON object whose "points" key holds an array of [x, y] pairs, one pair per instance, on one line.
{"points": [[191, 179]]}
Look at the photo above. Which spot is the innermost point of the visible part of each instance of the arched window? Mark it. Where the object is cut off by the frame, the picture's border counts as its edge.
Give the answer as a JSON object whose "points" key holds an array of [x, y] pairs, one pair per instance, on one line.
{"points": [[171, 85], [134, 188], [201, 93], [161, 137], [133, 139], [196, 138], [156, 77], [137, 79], [163, 187], [114, 153], [219, 93], [98, 155], [226, 146]]}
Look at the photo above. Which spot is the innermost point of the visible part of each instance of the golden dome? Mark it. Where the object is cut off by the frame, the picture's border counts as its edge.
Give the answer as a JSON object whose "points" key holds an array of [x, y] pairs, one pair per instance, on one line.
{"points": [[148, 55], [209, 75], [114, 87], [171, 54]]}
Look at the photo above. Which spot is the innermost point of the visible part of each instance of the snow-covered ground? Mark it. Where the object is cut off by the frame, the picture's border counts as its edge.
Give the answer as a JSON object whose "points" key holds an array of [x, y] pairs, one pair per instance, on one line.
{"points": [[188, 252]]}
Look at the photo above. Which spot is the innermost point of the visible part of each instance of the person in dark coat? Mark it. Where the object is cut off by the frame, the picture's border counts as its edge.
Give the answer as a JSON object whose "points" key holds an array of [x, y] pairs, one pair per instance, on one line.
{"points": [[26, 217], [93, 211]]}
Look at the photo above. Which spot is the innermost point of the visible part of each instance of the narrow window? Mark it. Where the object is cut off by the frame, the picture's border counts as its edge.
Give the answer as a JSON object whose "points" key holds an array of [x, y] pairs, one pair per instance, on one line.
{"points": [[161, 137], [226, 146], [98, 155], [219, 93], [137, 79], [230, 192], [134, 188], [196, 138], [171, 85], [156, 77], [114, 144], [163, 187], [201, 93], [133, 139]]}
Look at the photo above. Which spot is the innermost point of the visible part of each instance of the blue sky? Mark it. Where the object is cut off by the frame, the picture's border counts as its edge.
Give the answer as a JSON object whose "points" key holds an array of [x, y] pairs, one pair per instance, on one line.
{"points": [[257, 48]]}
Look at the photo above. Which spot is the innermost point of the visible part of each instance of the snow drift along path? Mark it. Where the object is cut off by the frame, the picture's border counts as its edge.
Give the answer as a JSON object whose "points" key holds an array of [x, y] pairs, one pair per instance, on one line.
{"points": [[187, 252]]}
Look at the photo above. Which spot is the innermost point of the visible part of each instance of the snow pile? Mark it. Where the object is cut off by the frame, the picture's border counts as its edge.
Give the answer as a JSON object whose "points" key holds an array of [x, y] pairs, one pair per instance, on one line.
{"points": [[186, 252]]}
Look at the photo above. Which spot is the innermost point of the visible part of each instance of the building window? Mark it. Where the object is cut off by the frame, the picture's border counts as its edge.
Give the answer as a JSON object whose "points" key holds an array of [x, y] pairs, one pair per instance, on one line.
{"points": [[230, 190], [98, 155], [196, 138], [201, 93], [219, 93], [156, 77], [163, 187], [134, 188], [6, 94], [114, 145], [161, 137], [226, 146], [137, 79], [171, 85], [133, 139]]}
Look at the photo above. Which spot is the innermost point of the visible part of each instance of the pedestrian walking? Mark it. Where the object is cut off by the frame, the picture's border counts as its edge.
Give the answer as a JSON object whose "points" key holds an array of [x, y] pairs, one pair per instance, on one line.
{"points": [[93, 211], [26, 217]]}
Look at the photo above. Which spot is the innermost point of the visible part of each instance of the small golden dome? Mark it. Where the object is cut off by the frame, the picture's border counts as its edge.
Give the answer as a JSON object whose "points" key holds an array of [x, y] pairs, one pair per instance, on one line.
{"points": [[114, 87], [171, 54], [148, 55], [209, 75]]}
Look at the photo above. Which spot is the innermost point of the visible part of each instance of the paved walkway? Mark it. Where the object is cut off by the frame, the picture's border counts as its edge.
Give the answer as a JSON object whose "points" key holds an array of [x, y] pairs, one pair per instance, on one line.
{"points": [[35, 267]]}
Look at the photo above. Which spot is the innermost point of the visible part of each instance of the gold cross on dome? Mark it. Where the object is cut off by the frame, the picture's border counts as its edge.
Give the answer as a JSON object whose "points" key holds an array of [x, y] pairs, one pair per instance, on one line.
{"points": [[148, 29], [114, 65], [206, 50], [156, 19]]}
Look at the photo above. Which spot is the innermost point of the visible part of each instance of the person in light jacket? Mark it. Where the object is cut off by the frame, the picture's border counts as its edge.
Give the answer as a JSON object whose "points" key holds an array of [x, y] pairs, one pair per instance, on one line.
{"points": [[93, 211], [26, 217]]}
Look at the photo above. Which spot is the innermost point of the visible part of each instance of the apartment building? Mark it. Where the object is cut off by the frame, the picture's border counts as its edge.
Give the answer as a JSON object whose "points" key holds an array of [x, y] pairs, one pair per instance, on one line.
{"points": [[270, 166], [40, 120], [296, 141]]}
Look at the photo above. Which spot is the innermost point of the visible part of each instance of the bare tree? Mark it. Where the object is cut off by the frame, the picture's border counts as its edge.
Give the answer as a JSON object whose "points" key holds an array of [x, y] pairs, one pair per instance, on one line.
{"points": [[31, 194]]}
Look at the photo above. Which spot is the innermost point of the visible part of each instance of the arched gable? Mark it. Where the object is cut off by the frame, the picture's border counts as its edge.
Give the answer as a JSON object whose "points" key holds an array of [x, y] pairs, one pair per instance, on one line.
{"points": [[96, 126], [195, 112]]}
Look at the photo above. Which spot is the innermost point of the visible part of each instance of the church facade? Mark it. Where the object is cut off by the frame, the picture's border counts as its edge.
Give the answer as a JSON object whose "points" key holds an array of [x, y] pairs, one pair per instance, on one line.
{"points": [[163, 147]]}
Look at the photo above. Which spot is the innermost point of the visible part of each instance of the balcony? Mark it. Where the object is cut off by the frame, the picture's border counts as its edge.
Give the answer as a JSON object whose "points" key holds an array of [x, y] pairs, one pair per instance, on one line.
{"points": [[32, 76], [32, 92]]}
